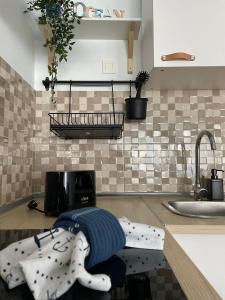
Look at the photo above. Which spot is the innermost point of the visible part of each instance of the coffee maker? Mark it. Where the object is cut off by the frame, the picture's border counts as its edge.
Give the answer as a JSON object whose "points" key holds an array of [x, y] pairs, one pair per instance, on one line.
{"points": [[66, 191]]}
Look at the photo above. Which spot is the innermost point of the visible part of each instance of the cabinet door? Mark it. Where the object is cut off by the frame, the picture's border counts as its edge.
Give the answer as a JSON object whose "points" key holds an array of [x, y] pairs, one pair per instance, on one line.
{"points": [[196, 27]]}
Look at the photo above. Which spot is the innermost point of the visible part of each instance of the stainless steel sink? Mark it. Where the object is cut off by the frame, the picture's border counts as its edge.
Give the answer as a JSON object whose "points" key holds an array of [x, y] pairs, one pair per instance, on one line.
{"points": [[197, 209]]}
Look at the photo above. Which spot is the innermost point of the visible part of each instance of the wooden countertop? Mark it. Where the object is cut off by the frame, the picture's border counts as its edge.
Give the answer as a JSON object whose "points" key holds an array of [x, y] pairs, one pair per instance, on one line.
{"points": [[195, 254], [142, 209], [134, 208]]}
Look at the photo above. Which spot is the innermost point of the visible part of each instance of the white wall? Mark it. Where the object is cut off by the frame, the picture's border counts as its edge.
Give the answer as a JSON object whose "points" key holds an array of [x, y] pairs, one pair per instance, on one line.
{"points": [[17, 46], [85, 60]]}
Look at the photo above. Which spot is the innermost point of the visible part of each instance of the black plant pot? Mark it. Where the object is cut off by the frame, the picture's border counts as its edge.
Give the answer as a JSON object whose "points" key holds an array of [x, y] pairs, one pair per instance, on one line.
{"points": [[136, 108]]}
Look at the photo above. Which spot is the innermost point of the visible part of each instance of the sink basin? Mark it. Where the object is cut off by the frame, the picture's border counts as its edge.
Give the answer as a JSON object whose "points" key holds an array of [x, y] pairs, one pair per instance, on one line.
{"points": [[197, 209]]}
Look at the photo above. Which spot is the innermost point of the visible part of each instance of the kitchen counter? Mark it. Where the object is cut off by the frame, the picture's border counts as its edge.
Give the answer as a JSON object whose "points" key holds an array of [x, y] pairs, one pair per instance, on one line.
{"points": [[149, 210], [143, 209], [206, 251], [196, 255], [132, 207]]}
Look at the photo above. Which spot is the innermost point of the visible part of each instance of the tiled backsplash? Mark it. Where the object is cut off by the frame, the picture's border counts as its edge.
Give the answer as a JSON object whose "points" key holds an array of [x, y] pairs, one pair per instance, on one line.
{"points": [[155, 155], [17, 100]]}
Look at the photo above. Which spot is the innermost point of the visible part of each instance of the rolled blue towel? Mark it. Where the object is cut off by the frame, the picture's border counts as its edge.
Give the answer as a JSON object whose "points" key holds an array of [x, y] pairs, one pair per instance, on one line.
{"points": [[102, 230]]}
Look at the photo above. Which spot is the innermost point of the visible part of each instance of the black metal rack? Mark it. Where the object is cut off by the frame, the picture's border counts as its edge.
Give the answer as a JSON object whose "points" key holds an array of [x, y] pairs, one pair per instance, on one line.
{"points": [[47, 83], [106, 125], [87, 125]]}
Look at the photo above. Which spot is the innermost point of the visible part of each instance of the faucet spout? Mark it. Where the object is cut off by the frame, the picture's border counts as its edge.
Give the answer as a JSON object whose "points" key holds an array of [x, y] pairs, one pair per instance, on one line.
{"points": [[197, 154]]}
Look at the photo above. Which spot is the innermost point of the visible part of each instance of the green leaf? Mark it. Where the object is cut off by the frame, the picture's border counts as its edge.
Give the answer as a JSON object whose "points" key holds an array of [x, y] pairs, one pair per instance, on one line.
{"points": [[62, 28]]}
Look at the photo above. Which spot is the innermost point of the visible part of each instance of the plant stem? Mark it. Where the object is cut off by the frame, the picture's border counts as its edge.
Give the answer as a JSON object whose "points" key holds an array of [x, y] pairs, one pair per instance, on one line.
{"points": [[138, 94]]}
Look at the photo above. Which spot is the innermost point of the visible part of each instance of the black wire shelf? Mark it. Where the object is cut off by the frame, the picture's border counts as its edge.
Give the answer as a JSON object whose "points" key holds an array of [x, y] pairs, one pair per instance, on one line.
{"points": [[106, 125], [87, 125]]}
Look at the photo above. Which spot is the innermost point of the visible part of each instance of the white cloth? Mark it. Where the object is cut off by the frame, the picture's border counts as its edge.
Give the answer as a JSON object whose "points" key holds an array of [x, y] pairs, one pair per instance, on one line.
{"points": [[51, 269], [52, 261], [142, 235]]}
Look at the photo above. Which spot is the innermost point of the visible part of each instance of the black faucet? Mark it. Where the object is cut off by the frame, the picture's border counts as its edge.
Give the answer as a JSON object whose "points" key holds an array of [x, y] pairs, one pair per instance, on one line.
{"points": [[200, 191]]}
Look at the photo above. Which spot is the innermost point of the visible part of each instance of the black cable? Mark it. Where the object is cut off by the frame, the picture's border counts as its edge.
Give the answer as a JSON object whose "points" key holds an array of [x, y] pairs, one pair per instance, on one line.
{"points": [[32, 204]]}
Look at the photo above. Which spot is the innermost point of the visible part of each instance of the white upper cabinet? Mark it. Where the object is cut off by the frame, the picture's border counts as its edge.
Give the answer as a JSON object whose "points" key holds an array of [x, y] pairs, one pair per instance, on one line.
{"points": [[195, 27]]}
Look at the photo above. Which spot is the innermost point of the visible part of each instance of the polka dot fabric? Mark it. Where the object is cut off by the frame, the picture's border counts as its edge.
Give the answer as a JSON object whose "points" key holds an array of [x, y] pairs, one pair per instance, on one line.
{"points": [[53, 268], [52, 261], [139, 260], [142, 236]]}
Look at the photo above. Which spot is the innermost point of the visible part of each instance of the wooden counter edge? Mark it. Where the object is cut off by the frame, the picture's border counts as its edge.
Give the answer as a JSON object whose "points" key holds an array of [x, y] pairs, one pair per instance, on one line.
{"points": [[193, 283], [196, 229]]}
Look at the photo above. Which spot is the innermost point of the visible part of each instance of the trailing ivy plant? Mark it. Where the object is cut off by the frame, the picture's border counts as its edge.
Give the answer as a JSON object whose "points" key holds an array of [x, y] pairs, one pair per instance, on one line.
{"points": [[60, 16]]}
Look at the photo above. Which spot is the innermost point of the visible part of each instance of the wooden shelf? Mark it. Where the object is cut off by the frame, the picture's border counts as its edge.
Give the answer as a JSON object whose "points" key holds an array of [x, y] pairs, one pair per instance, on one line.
{"points": [[111, 29], [106, 29]]}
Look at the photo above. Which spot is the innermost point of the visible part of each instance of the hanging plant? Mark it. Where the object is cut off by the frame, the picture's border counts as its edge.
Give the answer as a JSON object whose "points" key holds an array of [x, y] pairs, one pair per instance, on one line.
{"points": [[59, 15]]}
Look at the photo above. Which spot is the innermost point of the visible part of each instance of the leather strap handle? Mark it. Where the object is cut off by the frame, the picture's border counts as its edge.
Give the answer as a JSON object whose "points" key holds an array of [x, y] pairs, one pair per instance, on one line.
{"points": [[178, 56]]}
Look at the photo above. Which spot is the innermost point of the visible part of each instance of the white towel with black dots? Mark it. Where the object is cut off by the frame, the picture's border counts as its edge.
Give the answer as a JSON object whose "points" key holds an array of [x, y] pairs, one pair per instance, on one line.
{"points": [[142, 235], [50, 263]]}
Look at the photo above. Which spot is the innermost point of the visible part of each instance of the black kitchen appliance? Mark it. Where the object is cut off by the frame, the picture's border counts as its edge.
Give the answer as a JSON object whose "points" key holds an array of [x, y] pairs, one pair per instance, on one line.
{"points": [[66, 191]]}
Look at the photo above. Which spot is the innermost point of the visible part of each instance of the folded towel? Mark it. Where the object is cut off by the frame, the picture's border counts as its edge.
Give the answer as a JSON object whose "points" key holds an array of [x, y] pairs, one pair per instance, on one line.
{"points": [[52, 261], [51, 269], [141, 235], [101, 229]]}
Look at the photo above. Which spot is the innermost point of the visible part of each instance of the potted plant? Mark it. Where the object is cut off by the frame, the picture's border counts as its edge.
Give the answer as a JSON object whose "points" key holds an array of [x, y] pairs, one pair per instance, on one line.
{"points": [[59, 15], [136, 106]]}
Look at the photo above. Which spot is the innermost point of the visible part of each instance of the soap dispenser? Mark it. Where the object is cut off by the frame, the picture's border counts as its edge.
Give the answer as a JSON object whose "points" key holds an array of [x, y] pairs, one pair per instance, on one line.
{"points": [[215, 186]]}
